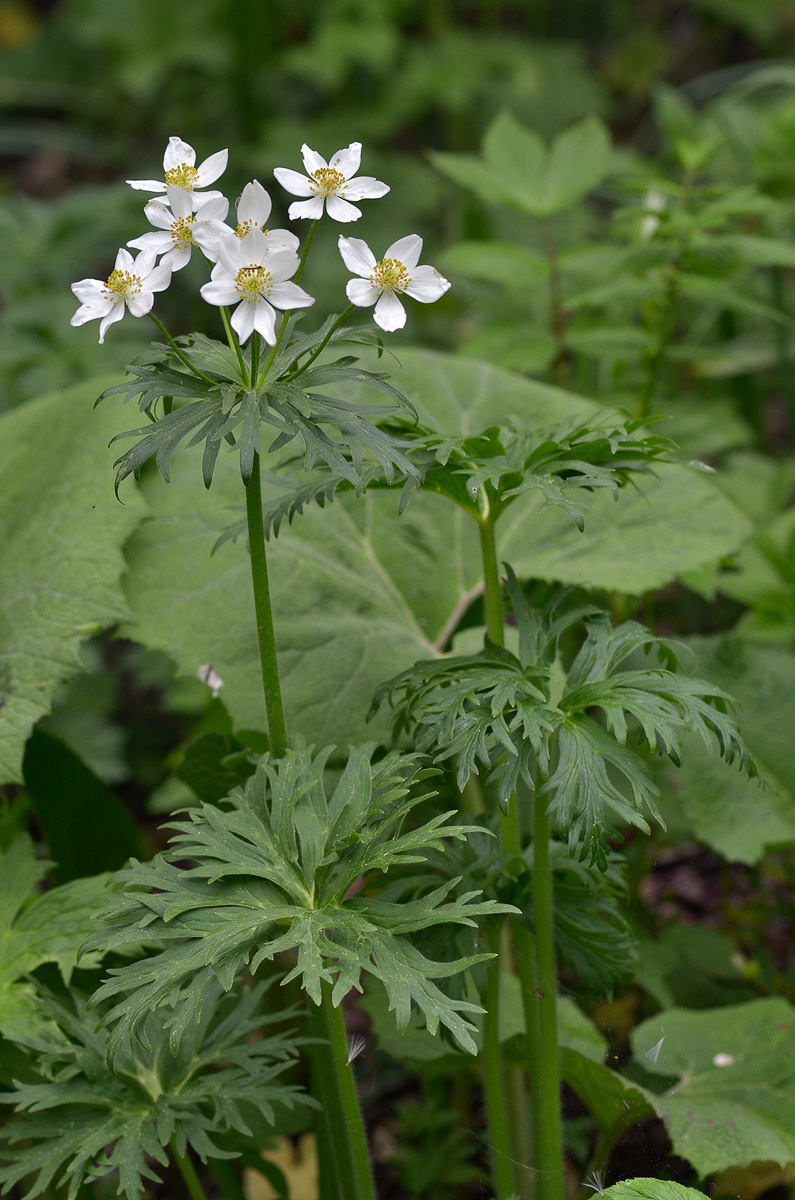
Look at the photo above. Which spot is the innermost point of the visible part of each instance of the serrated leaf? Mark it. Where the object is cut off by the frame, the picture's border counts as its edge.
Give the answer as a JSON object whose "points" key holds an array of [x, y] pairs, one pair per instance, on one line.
{"points": [[81, 1120], [650, 1189], [272, 871], [61, 534]]}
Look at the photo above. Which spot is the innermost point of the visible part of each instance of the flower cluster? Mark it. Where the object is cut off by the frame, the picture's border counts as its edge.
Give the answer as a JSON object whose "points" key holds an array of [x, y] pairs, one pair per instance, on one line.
{"points": [[253, 266]]}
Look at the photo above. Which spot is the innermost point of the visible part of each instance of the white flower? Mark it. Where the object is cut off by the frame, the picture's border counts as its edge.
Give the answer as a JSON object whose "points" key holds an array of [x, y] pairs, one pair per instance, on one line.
{"points": [[382, 282], [330, 183], [179, 166], [254, 278], [253, 210], [181, 228], [131, 284]]}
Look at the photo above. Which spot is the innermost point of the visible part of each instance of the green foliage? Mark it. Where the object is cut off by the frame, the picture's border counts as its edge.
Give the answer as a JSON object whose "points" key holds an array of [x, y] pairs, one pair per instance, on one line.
{"points": [[81, 1120], [228, 404], [497, 711], [36, 929], [61, 534], [273, 868], [650, 1189], [734, 1101], [519, 170]]}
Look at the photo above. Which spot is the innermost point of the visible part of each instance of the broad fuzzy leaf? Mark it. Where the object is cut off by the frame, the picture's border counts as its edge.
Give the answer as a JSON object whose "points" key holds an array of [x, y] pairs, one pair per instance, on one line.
{"points": [[36, 929], [82, 1120], [272, 870]]}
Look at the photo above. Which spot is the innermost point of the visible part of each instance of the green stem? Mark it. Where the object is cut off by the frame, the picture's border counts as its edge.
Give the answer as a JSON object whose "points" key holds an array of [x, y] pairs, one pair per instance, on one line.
{"points": [[549, 1142], [277, 730], [491, 581], [188, 1173], [526, 970], [234, 344], [286, 316], [494, 1085], [180, 353], [343, 1115]]}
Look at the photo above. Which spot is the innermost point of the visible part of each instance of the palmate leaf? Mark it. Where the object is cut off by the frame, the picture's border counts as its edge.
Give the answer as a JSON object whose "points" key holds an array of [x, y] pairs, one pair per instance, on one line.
{"points": [[271, 872], [502, 713], [224, 405], [81, 1120]]}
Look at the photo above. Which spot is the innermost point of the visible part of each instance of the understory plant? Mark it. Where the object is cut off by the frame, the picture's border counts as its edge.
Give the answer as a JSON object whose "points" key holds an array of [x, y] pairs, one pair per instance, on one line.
{"points": [[447, 865]]}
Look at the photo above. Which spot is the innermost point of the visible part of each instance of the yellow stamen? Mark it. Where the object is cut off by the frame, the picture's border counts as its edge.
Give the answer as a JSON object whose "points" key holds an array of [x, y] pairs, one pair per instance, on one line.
{"points": [[181, 230], [183, 176], [252, 282], [120, 285], [389, 275], [246, 227], [328, 182]]}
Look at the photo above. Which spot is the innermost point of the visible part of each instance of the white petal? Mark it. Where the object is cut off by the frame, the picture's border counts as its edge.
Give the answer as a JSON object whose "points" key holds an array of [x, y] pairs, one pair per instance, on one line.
{"points": [[357, 255], [207, 236], [214, 209], [389, 313], [306, 208], [365, 188], [406, 250], [115, 314], [281, 239], [212, 168], [89, 290], [158, 279], [254, 204], [265, 321], [141, 303], [361, 292], [253, 248], [292, 182], [199, 198], [157, 242], [124, 261], [90, 312], [180, 201], [158, 215], [341, 210], [175, 260], [289, 295], [282, 264], [347, 161], [312, 160], [147, 185], [230, 256], [177, 153], [243, 319], [220, 291], [427, 285]]}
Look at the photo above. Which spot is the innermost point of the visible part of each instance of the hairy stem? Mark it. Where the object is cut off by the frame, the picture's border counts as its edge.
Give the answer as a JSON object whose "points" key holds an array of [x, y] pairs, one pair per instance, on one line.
{"points": [[549, 1140], [181, 355], [344, 1132], [231, 337], [526, 970], [494, 1085], [277, 730], [188, 1173], [286, 316]]}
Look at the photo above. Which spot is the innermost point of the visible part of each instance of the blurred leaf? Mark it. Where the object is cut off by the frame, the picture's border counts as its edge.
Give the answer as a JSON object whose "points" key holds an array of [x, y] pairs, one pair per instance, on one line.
{"points": [[735, 1099], [61, 533], [86, 826], [496, 262], [691, 965]]}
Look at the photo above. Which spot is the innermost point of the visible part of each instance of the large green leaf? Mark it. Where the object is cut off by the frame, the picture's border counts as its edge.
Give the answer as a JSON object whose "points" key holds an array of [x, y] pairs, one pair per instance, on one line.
{"points": [[650, 1189], [61, 532], [361, 592], [735, 1099], [37, 929], [737, 816]]}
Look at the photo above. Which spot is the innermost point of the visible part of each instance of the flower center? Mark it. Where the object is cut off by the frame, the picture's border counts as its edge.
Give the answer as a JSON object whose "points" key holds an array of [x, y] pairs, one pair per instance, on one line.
{"points": [[246, 227], [328, 182], [183, 176], [389, 275], [253, 281], [120, 285], [181, 230]]}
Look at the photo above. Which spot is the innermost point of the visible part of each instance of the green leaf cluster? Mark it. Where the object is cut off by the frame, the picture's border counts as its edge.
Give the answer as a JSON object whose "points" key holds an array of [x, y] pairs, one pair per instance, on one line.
{"points": [[273, 871], [81, 1119], [574, 738]]}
